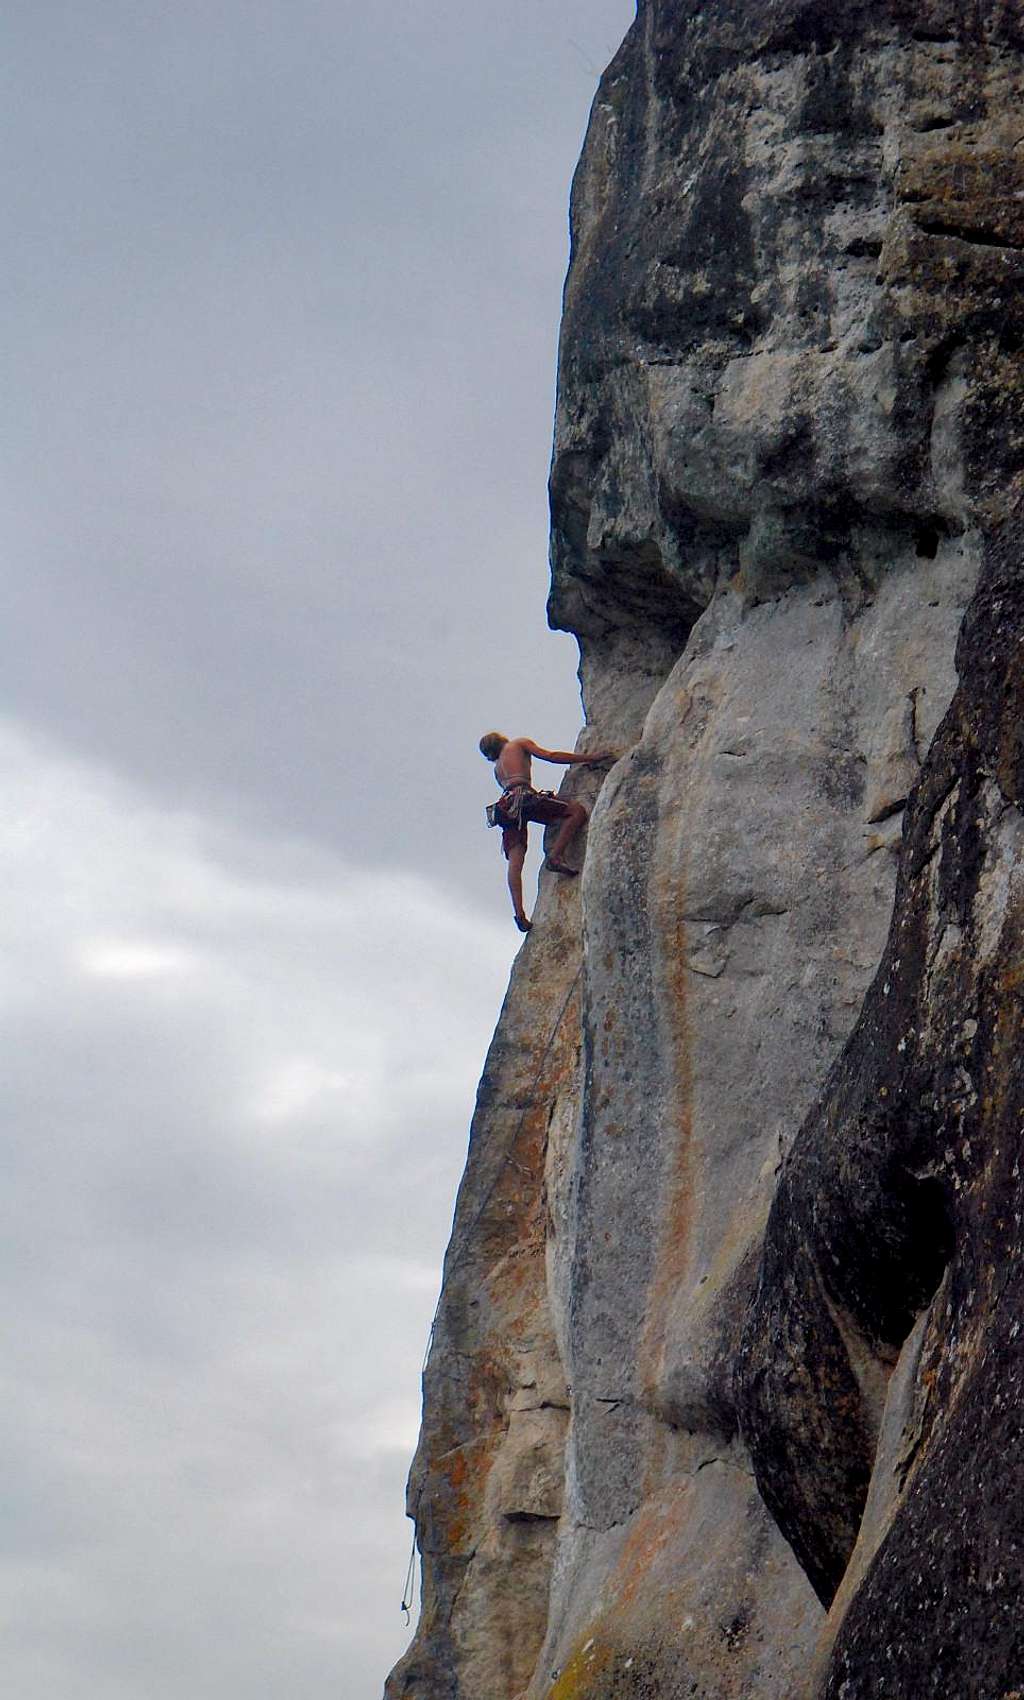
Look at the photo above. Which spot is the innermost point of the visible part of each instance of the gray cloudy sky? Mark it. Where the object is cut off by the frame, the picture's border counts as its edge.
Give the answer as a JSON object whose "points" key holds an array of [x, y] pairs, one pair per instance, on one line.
{"points": [[280, 298]]}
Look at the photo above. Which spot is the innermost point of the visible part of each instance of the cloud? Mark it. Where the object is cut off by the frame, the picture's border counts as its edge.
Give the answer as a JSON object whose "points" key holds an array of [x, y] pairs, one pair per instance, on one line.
{"points": [[132, 959], [283, 368], [236, 1112], [282, 293]]}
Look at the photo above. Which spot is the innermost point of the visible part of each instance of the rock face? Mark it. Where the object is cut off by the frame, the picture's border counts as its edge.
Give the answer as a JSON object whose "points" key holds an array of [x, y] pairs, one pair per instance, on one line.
{"points": [[895, 1237], [723, 1394]]}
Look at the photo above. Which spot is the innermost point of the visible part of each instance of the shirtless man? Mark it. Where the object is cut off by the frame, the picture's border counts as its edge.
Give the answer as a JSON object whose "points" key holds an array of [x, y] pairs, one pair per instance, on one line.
{"points": [[520, 803]]}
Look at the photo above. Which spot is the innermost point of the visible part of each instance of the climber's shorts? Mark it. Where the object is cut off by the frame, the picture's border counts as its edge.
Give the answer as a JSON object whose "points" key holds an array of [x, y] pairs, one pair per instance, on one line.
{"points": [[529, 805]]}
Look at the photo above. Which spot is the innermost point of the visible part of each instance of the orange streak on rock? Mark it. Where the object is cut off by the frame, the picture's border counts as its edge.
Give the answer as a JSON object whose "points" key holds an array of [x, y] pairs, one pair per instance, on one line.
{"points": [[677, 1196]]}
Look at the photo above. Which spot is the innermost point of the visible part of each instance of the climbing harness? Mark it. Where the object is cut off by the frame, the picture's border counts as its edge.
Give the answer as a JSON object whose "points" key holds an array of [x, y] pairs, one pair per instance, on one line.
{"points": [[506, 1162]]}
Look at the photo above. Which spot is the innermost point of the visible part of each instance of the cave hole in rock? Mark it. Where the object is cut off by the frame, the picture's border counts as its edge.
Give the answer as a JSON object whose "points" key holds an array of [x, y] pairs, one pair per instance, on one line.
{"points": [[921, 1206], [890, 1245], [888, 1239], [927, 537], [896, 1281]]}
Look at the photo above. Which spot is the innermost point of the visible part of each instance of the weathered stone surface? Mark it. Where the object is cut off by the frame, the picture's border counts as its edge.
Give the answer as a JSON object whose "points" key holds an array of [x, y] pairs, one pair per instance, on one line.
{"points": [[789, 428], [486, 1484], [896, 1229]]}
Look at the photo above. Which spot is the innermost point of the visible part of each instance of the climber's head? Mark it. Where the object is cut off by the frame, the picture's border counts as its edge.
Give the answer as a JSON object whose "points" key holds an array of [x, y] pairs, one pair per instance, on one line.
{"points": [[492, 744]]}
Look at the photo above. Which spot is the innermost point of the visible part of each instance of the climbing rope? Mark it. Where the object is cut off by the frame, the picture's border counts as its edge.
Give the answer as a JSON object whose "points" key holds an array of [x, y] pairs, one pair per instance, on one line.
{"points": [[467, 1237], [406, 1605]]}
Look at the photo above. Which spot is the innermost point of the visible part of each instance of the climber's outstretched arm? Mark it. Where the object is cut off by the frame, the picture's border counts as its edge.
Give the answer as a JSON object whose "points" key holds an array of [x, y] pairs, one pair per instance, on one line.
{"points": [[567, 756]]}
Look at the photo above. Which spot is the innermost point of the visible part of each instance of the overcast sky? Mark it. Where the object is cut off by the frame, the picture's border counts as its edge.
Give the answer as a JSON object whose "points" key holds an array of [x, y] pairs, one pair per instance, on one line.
{"points": [[281, 295]]}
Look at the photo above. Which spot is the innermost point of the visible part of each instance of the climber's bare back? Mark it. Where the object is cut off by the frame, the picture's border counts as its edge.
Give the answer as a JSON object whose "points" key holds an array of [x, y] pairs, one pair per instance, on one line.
{"points": [[515, 764]]}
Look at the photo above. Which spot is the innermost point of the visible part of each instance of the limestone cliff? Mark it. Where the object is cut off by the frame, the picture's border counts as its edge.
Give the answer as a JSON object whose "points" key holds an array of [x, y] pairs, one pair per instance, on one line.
{"points": [[723, 1398]]}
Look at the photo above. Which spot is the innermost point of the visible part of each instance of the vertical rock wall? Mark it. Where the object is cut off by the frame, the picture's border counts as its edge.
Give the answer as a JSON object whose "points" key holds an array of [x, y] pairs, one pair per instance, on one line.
{"points": [[789, 427]]}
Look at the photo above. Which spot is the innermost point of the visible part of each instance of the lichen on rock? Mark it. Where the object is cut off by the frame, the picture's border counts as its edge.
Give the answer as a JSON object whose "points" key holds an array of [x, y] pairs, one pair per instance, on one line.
{"points": [[729, 1298]]}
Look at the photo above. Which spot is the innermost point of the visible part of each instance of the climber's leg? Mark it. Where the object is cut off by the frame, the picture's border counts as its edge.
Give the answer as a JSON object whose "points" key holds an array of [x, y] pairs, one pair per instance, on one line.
{"points": [[569, 818], [575, 817], [513, 842]]}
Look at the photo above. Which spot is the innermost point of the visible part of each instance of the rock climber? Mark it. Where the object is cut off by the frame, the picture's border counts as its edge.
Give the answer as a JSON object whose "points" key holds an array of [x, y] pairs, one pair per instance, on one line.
{"points": [[519, 804]]}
